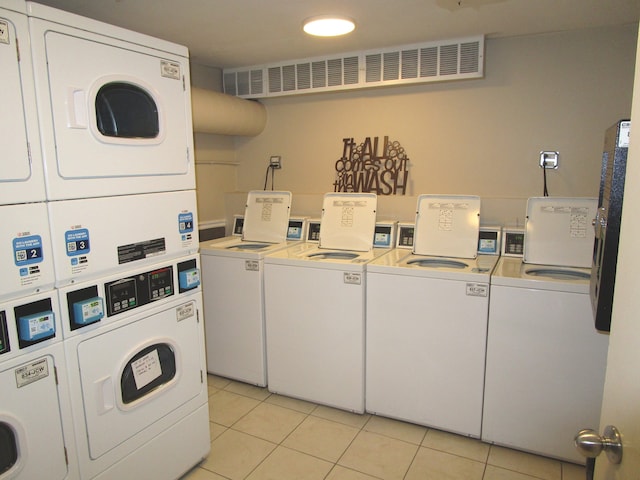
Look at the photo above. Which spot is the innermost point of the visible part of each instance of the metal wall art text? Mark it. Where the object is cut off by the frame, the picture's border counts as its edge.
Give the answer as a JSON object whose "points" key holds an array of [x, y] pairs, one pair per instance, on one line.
{"points": [[372, 167]]}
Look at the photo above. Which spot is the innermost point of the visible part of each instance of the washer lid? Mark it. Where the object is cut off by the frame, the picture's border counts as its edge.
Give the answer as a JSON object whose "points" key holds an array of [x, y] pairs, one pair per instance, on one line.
{"points": [[348, 221], [447, 226], [559, 231], [266, 216]]}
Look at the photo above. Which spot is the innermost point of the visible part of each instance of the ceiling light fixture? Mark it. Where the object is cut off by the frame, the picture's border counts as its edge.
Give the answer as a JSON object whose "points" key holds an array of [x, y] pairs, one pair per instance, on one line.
{"points": [[328, 26]]}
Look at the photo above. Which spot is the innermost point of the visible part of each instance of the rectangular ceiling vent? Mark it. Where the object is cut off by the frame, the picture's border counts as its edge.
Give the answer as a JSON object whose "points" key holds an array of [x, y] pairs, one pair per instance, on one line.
{"points": [[432, 62]]}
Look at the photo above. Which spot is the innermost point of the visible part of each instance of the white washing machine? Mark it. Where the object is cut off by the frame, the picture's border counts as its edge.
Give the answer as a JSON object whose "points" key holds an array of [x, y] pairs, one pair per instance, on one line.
{"points": [[21, 178], [314, 307], [36, 426], [232, 276], [25, 247], [134, 343], [545, 361], [427, 320], [117, 119], [98, 236]]}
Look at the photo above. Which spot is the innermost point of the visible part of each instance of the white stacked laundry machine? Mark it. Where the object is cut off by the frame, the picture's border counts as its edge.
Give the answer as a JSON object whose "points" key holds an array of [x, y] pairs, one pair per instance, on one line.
{"points": [[427, 311], [36, 426], [545, 361], [99, 194]]}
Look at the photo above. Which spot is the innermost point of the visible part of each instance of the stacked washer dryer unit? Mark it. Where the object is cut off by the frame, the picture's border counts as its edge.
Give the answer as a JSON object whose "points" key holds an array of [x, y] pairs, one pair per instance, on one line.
{"points": [[545, 361], [232, 276], [427, 318], [116, 136], [36, 427], [314, 306]]}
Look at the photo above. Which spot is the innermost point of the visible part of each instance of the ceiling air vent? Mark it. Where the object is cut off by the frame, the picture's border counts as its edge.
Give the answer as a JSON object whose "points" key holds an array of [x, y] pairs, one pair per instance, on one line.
{"points": [[431, 62]]}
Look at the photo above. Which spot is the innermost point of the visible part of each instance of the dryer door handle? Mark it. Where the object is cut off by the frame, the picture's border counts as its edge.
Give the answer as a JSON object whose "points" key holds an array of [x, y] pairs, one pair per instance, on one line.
{"points": [[104, 395], [76, 108]]}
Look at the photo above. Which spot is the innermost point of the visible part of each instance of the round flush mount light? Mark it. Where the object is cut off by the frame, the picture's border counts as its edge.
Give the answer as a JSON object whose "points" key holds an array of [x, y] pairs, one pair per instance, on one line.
{"points": [[328, 26]]}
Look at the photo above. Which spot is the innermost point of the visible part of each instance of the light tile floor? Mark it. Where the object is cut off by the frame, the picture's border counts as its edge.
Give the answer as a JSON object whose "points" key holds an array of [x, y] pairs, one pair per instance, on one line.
{"points": [[257, 435]]}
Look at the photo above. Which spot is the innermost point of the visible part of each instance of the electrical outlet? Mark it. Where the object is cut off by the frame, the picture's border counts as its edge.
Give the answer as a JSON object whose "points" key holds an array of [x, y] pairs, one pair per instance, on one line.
{"points": [[549, 159], [275, 162]]}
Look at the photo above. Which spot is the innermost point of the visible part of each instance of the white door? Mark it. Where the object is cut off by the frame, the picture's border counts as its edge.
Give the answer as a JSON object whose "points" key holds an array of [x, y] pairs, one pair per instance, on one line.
{"points": [[622, 388], [134, 375], [115, 109], [20, 179]]}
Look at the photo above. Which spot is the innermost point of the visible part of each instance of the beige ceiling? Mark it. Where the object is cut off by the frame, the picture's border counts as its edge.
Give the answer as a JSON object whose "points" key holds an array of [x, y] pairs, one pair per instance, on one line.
{"points": [[234, 33]]}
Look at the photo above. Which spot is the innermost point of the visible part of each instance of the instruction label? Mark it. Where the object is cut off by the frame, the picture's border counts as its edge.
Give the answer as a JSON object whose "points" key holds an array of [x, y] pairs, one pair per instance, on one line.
{"points": [[185, 227], [77, 242], [27, 250], [446, 213], [185, 222], [146, 369], [579, 222], [141, 250]]}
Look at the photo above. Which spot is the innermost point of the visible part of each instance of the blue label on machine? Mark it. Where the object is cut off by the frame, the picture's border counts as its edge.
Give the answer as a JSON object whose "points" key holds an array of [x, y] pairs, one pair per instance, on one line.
{"points": [[77, 242], [88, 311], [27, 250], [189, 278], [185, 222], [37, 326]]}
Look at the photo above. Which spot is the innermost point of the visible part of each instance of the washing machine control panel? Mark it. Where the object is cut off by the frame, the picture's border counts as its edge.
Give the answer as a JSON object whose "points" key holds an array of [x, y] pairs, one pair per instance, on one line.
{"points": [[141, 289], [406, 232], [313, 232], [513, 242]]}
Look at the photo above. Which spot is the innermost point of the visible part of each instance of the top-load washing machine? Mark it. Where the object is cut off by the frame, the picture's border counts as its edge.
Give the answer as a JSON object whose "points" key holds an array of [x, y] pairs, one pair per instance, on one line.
{"points": [[314, 306], [427, 318], [114, 108], [232, 278], [545, 361], [21, 178]]}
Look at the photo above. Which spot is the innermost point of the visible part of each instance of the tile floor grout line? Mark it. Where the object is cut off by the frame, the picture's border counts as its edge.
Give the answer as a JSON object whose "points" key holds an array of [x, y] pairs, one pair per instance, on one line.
{"points": [[315, 412]]}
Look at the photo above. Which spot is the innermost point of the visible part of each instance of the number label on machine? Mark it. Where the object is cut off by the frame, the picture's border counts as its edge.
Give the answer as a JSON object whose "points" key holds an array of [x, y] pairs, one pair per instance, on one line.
{"points": [[252, 265], [27, 250], [77, 242], [4, 32], [477, 290], [185, 311], [31, 372], [352, 278]]}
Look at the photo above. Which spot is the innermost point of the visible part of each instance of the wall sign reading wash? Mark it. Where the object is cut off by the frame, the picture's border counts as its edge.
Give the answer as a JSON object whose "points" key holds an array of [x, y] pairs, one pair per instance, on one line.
{"points": [[374, 166]]}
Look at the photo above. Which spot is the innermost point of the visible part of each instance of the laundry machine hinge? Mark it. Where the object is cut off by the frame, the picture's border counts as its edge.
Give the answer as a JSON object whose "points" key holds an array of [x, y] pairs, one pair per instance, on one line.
{"points": [[55, 374], [201, 377], [18, 50], [66, 456]]}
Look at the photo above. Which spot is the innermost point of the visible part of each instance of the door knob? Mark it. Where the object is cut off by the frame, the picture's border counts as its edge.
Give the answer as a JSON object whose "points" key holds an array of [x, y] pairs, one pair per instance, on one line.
{"points": [[590, 444]]}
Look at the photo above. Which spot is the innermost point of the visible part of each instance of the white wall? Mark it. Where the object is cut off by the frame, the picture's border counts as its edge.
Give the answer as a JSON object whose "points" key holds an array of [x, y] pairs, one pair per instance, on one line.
{"points": [[216, 168], [547, 92]]}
